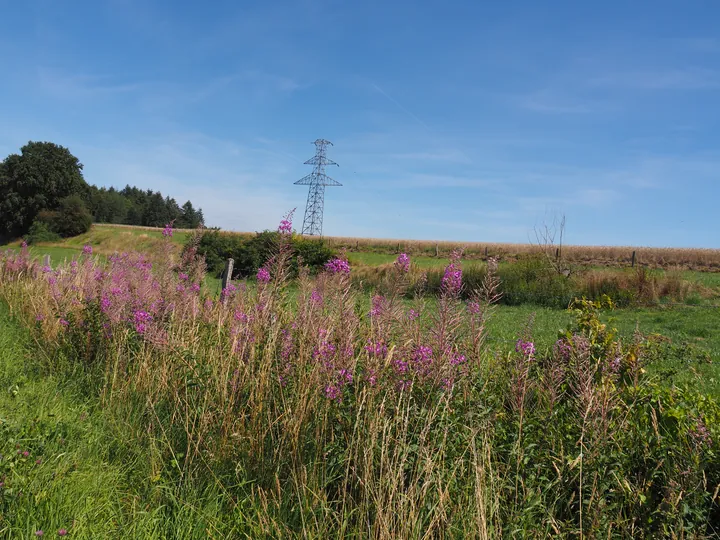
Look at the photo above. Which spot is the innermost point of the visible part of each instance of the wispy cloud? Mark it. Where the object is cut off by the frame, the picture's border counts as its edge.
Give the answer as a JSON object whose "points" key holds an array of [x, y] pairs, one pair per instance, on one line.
{"points": [[400, 106], [549, 102], [82, 86], [691, 78], [451, 156]]}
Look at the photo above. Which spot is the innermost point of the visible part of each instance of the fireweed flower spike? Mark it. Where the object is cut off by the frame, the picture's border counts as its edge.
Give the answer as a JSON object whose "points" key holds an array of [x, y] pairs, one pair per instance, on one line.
{"points": [[337, 266], [263, 275], [525, 347], [286, 223], [167, 231], [402, 263], [452, 280], [87, 249]]}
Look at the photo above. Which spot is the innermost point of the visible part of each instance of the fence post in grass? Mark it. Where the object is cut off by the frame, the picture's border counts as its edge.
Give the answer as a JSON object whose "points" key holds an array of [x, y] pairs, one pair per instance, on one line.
{"points": [[633, 260], [46, 260], [486, 252], [227, 275], [437, 250], [557, 253]]}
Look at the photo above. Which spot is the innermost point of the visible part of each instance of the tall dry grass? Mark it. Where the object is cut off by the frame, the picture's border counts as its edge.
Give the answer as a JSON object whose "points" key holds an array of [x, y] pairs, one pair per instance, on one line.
{"points": [[686, 258]]}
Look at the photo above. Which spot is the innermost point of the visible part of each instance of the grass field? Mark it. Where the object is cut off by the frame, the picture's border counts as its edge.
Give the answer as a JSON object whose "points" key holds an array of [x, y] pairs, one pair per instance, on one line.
{"points": [[310, 409]]}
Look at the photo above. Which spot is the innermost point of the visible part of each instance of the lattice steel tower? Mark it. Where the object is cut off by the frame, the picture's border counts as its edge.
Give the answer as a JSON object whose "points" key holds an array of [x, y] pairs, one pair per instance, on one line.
{"points": [[317, 180]]}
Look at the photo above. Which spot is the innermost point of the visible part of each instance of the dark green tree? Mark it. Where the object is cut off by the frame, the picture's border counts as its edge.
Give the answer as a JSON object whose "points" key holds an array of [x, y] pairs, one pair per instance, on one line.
{"points": [[156, 212], [36, 179], [72, 217], [189, 218]]}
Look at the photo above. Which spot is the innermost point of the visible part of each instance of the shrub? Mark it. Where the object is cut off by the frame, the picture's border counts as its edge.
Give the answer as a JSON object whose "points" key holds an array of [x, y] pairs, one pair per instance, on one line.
{"points": [[250, 253], [72, 217], [532, 280], [311, 253], [40, 232]]}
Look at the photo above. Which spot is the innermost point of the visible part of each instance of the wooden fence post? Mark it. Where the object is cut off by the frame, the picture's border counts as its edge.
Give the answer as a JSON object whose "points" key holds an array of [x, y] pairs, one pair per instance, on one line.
{"points": [[486, 252], [227, 274], [557, 253], [46, 260], [437, 250], [633, 259]]}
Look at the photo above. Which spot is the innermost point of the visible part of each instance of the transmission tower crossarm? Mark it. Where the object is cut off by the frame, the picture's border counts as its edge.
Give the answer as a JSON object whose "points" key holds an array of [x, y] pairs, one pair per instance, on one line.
{"points": [[305, 180], [320, 161]]}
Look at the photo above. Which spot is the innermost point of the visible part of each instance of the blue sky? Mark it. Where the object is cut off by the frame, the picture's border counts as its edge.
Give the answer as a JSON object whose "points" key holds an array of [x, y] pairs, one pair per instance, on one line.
{"points": [[456, 120]]}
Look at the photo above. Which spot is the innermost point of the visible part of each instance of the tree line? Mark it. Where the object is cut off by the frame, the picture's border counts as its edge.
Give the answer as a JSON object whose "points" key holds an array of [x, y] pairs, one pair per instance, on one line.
{"points": [[43, 188]]}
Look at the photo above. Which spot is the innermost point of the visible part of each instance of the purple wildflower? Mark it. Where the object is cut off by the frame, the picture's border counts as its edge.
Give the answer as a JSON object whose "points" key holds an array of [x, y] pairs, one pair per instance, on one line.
{"points": [[46, 269], [332, 392], [346, 376], [26, 454], [316, 298], [378, 349], [286, 223], [167, 231], [562, 349], [39, 532], [457, 359], [87, 249], [402, 263], [423, 355], [452, 280], [412, 315], [62, 532], [195, 287], [473, 307], [401, 366], [39, 317], [141, 318], [64, 323], [24, 244], [324, 351], [525, 347], [337, 266], [378, 306], [182, 276], [263, 275]]}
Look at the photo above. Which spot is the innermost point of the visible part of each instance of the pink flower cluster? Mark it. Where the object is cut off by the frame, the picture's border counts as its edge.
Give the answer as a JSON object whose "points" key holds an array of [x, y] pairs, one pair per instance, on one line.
{"points": [[402, 263], [263, 275], [527, 348], [452, 280], [286, 223], [337, 266]]}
